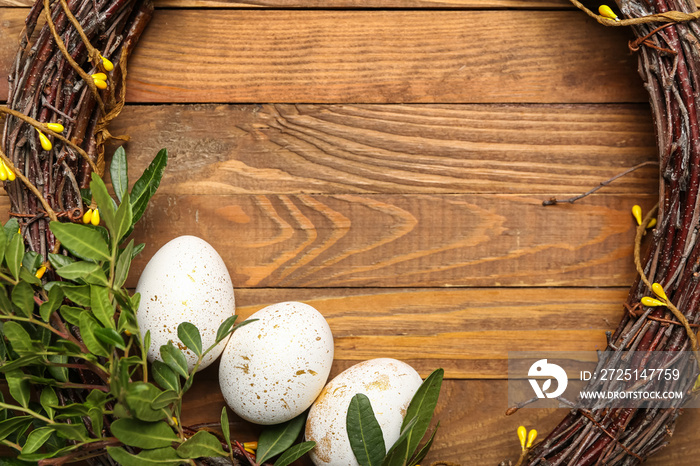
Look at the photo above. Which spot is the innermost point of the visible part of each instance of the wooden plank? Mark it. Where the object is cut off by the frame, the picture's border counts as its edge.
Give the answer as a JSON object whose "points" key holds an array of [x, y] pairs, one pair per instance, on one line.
{"points": [[293, 149], [404, 240], [373, 57], [468, 332], [473, 427], [332, 4]]}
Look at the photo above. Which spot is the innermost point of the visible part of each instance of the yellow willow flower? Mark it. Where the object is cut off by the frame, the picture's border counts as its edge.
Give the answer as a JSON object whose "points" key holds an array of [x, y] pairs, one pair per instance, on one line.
{"points": [[87, 216], [606, 11], [95, 220], [55, 127], [45, 143]]}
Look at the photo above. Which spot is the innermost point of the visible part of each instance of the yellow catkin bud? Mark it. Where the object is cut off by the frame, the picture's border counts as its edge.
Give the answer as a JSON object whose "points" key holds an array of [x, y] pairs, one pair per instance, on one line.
{"points": [[40, 271], [95, 220], [107, 64], [606, 11], [659, 291], [45, 143], [522, 436], [87, 216], [175, 420], [531, 436], [251, 445], [100, 84], [252, 452], [10, 173], [55, 127], [3, 172], [637, 213], [652, 223], [101, 76], [651, 302]]}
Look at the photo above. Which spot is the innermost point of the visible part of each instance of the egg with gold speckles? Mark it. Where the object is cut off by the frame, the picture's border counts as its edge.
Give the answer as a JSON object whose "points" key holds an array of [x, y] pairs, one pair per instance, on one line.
{"points": [[273, 369], [185, 281], [389, 384]]}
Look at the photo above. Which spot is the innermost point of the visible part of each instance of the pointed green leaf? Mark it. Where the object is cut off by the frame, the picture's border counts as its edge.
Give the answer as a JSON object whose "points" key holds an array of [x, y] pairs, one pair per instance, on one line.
{"points": [[147, 185], [58, 373], [23, 298], [225, 328], [190, 337], [142, 434], [31, 260], [225, 427], [123, 219], [158, 457], [59, 260], [121, 272], [96, 416], [425, 449], [79, 294], [105, 203], [19, 338], [88, 326], [165, 399], [18, 385], [202, 444], [11, 227], [109, 336], [164, 376], [118, 172], [36, 439], [13, 425], [275, 439], [139, 396], [71, 314], [102, 307], [3, 243], [294, 453], [6, 306], [89, 272], [14, 255], [48, 400], [364, 432], [421, 408], [82, 241], [396, 456], [54, 301], [27, 276], [174, 358]]}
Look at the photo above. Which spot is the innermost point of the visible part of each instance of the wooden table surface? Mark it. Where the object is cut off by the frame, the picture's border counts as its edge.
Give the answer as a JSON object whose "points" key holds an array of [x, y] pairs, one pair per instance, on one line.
{"points": [[385, 161]]}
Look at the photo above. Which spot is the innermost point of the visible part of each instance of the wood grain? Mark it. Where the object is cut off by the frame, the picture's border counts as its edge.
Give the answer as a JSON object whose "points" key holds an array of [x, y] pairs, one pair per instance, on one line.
{"points": [[331, 4], [404, 240], [474, 429], [372, 56], [293, 149]]}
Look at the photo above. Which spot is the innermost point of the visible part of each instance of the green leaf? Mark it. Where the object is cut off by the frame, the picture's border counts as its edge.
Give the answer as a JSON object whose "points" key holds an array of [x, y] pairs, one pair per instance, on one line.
{"points": [[36, 439], [364, 432], [14, 254], [89, 272], [426, 448], [274, 440], [123, 219], [140, 434], [18, 386], [164, 376], [174, 358], [225, 328], [109, 336], [48, 400], [225, 427], [27, 276], [55, 299], [31, 260], [11, 227], [160, 456], [102, 307], [421, 408], [139, 396], [201, 444], [71, 314], [23, 298], [96, 416], [59, 260], [79, 294], [294, 453], [13, 424], [396, 455], [3, 243], [83, 242], [118, 172], [19, 338], [23, 361], [190, 337], [75, 431], [121, 271], [165, 399], [6, 306], [58, 373], [105, 203], [88, 326], [147, 185]]}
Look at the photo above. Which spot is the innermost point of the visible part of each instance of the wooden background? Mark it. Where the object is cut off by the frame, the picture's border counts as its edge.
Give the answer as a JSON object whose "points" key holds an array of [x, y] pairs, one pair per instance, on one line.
{"points": [[385, 161]]}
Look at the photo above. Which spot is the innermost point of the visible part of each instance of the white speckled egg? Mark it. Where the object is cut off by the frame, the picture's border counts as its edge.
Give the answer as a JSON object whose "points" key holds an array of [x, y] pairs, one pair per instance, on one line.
{"points": [[185, 281], [389, 384], [274, 368]]}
